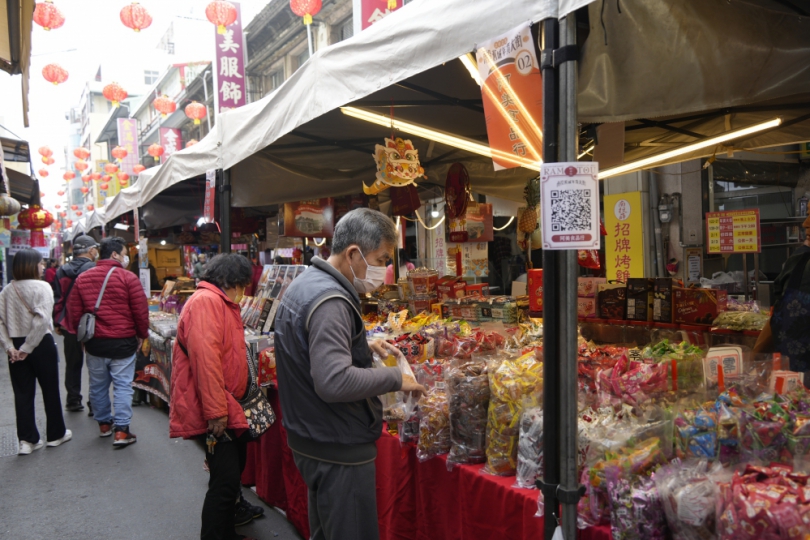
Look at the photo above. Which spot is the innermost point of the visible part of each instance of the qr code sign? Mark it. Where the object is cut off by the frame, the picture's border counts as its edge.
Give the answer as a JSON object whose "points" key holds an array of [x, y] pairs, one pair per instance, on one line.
{"points": [[570, 210]]}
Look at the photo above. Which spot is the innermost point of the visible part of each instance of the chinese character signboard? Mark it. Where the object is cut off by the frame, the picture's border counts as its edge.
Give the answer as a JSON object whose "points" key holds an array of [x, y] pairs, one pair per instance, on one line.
{"points": [[171, 139], [128, 140], [372, 11], [513, 99], [735, 231], [570, 205], [230, 65], [624, 243]]}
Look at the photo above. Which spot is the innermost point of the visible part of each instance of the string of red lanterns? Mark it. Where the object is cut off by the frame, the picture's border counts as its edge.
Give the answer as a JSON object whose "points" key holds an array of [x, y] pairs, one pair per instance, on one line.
{"points": [[306, 9], [110, 168], [68, 176], [196, 111], [135, 16], [119, 153], [81, 153], [54, 73], [155, 150], [48, 15], [164, 105], [43, 173], [81, 165], [48, 160], [221, 13], [115, 93], [138, 169]]}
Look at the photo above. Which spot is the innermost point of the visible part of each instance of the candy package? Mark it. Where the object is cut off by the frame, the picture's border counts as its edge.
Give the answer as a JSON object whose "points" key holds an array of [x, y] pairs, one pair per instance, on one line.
{"points": [[592, 359], [631, 382], [696, 433], [397, 406], [434, 424], [636, 511], [688, 494], [514, 384], [415, 347], [468, 399]]}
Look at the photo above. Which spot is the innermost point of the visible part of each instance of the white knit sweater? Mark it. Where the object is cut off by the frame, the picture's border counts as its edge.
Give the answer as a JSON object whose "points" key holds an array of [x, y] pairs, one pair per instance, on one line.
{"points": [[15, 319]]}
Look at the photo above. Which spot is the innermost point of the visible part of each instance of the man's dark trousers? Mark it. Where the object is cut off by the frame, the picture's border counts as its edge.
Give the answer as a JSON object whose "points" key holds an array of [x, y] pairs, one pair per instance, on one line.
{"points": [[74, 360]]}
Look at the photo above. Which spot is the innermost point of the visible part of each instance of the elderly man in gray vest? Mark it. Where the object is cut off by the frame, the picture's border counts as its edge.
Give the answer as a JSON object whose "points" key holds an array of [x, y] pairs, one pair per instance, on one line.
{"points": [[327, 387]]}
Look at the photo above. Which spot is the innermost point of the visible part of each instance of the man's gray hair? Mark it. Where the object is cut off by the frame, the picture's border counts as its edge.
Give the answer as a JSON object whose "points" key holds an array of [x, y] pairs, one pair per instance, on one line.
{"points": [[366, 228]]}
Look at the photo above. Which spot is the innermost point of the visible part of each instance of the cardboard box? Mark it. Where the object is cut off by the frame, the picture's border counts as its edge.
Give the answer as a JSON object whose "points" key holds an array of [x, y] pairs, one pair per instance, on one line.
{"points": [[586, 286], [477, 289], [698, 306], [611, 300], [535, 286], [639, 299], [166, 258], [451, 288], [662, 300], [586, 307], [519, 288], [173, 271]]}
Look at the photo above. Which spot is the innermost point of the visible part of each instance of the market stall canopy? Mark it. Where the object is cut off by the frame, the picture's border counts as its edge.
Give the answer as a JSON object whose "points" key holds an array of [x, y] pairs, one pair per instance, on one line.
{"points": [[16, 20], [17, 160]]}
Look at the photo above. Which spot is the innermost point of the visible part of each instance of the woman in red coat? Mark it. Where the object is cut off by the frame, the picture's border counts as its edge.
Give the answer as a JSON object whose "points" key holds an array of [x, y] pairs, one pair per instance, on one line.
{"points": [[209, 375]]}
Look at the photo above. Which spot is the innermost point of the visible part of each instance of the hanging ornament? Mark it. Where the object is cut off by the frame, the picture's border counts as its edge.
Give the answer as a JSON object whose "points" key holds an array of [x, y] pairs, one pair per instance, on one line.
{"points": [[191, 143], [110, 168], [54, 73], [164, 105], [85, 190], [90, 207], [68, 176], [81, 166], [106, 178], [115, 93], [135, 16], [57, 206], [43, 173], [397, 165], [138, 169], [78, 212], [35, 218], [196, 111], [86, 178], [81, 152], [155, 150], [123, 179], [103, 186], [306, 9], [221, 13], [95, 176], [48, 160], [60, 193], [119, 153], [69, 222], [44, 151], [48, 15], [74, 206]]}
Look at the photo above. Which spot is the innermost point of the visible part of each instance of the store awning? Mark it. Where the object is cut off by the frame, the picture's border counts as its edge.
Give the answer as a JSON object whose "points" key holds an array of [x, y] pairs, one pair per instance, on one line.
{"points": [[16, 19]]}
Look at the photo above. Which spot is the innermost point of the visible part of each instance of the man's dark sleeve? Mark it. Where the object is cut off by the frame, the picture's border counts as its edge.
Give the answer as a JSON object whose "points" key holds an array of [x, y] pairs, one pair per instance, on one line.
{"points": [[336, 379]]}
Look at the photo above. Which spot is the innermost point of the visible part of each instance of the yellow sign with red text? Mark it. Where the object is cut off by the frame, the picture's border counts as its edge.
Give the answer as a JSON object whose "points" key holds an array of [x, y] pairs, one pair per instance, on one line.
{"points": [[624, 244]]}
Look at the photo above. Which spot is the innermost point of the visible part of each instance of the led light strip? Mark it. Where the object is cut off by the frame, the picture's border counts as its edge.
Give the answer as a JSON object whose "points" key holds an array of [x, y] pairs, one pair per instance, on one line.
{"points": [[714, 141]]}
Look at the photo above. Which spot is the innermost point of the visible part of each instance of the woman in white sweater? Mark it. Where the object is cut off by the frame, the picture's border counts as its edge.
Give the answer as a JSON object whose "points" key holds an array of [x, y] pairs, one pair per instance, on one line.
{"points": [[26, 306]]}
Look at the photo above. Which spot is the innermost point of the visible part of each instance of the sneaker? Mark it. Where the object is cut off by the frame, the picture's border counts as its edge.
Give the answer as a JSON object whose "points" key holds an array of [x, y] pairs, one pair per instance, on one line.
{"points": [[27, 447], [123, 437], [65, 438], [104, 430], [74, 407], [242, 515], [255, 511], [89, 409]]}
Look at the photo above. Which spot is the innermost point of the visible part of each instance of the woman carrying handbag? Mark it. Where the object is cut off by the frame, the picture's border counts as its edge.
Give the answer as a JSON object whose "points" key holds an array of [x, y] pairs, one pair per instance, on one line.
{"points": [[26, 306]]}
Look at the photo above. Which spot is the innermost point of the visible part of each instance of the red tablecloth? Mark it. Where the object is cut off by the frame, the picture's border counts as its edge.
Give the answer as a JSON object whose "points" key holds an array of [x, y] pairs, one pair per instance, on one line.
{"points": [[415, 501]]}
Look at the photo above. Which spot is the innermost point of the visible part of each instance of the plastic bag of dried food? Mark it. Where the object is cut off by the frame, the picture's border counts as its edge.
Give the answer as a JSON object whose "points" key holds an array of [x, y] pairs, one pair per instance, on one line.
{"points": [[530, 448], [515, 383], [434, 423], [688, 494], [636, 512], [468, 399], [397, 406]]}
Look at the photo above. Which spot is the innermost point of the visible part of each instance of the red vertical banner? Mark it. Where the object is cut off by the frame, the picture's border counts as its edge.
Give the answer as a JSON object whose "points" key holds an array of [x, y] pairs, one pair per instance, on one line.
{"points": [[171, 139], [229, 71], [136, 225], [372, 11], [210, 194]]}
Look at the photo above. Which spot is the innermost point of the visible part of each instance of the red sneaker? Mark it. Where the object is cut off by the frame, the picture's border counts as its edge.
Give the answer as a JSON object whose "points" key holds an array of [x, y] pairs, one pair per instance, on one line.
{"points": [[124, 438], [104, 430]]}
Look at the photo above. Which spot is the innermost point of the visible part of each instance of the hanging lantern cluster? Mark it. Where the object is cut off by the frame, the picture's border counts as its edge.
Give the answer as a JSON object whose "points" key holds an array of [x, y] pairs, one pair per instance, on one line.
{"points": [[135, 16], [48, 15], [48, 160], [68, 176], [44, 151], [306, 9], [221, 13], [155, 150], [54, 73], [123, 179], [115, 93], [119, 153], [196, 111], [138, 169], [164, 105], [35, 218], [43, 173]]}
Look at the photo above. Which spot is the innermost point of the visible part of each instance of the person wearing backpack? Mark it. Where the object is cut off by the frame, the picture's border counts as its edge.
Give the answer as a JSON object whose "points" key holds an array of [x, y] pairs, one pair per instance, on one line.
{"points": [[85, 252], [109, 310]]}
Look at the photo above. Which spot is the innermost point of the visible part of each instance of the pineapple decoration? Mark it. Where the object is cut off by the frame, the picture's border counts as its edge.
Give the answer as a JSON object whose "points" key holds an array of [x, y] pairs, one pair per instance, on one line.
{"points": [[528, 220]]}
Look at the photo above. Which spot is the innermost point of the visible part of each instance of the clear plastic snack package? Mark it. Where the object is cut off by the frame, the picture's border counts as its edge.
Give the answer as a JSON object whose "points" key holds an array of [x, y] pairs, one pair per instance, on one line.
{"points": [[468, 399], [530, 448], [434, 424], [688, 493], [397, 406]]}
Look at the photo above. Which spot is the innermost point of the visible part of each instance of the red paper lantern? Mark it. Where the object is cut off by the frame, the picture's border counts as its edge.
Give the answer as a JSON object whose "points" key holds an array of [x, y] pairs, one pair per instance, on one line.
{"points": [[81, 152], [164, 105], [104, 186], [86, 178], [95, 176], [221, 13], [57, 206], [115, 93], [81, 166], [123, 179], [306, 9], [119, 153], [48, 15], [69, 222], [74, 206], [85, 190], [110, 168], [60, 193], [138, 169], [136, 17], [43, 173], [41, 194], [191, 143], [54, 73], [155, 150], [90, 207], [78, 212], [48, 160], [68, 176], [196, 111], [106, 178], [44, 151], [35, 218]]}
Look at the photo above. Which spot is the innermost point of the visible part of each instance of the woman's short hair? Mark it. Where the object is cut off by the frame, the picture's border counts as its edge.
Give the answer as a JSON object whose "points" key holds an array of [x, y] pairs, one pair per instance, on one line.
{"points": [[228, 270], [25, 264]]}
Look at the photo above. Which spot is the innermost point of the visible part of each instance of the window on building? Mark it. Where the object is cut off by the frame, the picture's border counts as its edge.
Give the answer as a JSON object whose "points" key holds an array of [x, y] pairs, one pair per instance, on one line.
{"points": [[275, 79], [347, 29], [170, 47], [301, 58], [150, 77]]}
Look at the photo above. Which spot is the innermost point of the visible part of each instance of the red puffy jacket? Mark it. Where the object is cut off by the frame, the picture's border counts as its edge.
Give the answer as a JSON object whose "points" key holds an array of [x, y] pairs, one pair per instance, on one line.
{"points": [[207, 382], [124, 311]]}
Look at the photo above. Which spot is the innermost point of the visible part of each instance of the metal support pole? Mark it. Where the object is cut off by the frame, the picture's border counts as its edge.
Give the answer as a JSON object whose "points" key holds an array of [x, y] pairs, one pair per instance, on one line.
{"points": [[551, 342], [207, 108], [309, 39], [567, 330], [746, 281], [224, 183]]}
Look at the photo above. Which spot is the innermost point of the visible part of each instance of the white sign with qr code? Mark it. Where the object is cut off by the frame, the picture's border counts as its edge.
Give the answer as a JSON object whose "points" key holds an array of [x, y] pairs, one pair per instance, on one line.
{"points": [[570, 205]]}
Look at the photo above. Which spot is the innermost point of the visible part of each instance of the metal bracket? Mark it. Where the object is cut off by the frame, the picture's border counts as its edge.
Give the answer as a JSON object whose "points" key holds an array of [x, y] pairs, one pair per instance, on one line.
{"points": [[570, 497], [223, 188], [552, 59]]}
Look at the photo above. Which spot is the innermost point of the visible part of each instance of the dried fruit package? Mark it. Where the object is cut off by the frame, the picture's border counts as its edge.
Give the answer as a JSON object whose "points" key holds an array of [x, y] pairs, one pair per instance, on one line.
{"points": [[468, 400]]}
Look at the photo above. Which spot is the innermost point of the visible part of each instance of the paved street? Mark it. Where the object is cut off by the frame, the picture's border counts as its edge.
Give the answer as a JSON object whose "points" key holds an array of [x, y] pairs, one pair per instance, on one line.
{"points": [[86, 490]]}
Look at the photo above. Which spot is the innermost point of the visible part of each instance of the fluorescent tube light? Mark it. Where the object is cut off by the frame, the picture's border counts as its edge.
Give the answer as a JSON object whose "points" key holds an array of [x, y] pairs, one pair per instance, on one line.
{"points": [[466, 59], [121, 227], [713, 141]]}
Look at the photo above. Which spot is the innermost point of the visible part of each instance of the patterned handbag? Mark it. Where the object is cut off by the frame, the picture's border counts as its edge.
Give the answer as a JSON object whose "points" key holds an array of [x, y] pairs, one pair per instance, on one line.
{"points": [[790, 322], [258, 412]]}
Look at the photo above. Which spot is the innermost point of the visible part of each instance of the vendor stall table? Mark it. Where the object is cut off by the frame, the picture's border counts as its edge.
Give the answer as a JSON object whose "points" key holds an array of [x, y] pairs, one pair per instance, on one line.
{"points": [[420, 501]]}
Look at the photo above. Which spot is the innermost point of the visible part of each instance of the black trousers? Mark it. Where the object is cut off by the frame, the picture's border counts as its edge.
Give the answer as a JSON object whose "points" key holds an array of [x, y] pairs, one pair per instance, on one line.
{"points": [[74, 360], [224, 483], [41, 365]]}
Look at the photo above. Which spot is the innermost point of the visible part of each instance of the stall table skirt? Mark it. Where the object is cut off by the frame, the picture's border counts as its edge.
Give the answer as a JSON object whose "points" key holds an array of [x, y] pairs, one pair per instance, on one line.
{"points": [[415, 501]]}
